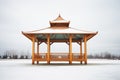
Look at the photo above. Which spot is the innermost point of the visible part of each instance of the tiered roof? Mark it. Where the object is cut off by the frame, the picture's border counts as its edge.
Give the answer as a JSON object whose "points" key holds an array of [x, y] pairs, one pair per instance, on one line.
{"points": [[59, 30]]}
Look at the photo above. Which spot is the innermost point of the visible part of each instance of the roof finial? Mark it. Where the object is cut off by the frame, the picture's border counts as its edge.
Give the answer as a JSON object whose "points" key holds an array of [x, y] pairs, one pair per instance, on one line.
{"points": [[59, 15], [59, 18]]}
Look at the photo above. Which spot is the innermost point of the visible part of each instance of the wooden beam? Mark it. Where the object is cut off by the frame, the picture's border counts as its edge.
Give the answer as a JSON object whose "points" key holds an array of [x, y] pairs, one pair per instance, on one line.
{"points": [[65, 40], [37, 49], [81, 50], [78, 42], [51, 43], [40, 42], [67, 43], [70, 49], [90, 36], [33, 49], [48, 48], [85, 48]]}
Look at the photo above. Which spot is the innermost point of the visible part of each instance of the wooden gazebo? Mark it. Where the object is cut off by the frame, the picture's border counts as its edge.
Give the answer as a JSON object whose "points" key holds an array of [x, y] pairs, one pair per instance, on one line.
{"points": [[59, 31]]}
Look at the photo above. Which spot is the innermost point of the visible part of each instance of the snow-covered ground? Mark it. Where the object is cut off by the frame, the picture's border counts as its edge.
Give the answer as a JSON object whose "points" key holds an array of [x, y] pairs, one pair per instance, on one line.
{"points": [[96, 69]]}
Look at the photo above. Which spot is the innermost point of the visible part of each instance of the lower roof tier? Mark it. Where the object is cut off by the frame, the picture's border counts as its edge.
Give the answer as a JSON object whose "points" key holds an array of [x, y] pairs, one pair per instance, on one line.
{"points": [[59, 34]]}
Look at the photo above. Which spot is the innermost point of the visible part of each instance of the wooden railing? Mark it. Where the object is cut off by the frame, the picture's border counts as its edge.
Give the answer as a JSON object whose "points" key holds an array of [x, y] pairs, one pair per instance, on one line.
{"points": [[59, 57]]}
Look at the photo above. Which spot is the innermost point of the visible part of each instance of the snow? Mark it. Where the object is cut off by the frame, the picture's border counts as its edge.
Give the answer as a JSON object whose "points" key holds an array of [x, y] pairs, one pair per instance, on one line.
{"points": [[96, 69], [60, 30]]}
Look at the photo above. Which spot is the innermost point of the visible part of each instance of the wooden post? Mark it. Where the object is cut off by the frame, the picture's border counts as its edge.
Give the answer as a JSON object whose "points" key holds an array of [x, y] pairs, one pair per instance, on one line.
{"points": [[81, 51], [48, 49], [85, 49], [33, 50], [37, 50], [70, 49]]}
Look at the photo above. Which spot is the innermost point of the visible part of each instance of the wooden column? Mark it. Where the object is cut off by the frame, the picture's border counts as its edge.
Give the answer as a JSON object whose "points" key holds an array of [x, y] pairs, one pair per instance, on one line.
{"points": [[48, 49], [37, 50], [33, 49], [85, 49], [70, 49], [81, 51]]}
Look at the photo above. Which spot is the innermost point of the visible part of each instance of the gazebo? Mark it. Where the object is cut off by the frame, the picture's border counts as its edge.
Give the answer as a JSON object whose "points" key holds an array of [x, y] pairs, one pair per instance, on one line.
{"points": [[59, 31]]}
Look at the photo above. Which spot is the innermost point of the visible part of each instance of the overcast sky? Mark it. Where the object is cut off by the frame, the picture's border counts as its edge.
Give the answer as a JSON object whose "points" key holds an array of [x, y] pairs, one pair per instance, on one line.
{"points": [[94, 15]]}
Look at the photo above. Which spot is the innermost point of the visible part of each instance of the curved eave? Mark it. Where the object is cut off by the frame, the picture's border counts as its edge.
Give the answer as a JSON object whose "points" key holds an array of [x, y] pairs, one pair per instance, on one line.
{"points": [[91, 35], [30, 35]]}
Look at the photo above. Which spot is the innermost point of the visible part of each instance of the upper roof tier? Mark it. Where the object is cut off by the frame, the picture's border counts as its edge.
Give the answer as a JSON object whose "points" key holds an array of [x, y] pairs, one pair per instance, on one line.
{"points": [[59, 22]]}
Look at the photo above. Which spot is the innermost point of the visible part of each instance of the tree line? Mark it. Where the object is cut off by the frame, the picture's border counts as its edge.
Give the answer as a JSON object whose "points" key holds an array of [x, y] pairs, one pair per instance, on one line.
{"points": [[12, 54], [15, 57], [105, 55]]}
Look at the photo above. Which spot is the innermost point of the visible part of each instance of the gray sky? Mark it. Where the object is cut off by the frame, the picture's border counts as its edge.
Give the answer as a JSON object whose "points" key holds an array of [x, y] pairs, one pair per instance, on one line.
{"points": [[94, 15]]}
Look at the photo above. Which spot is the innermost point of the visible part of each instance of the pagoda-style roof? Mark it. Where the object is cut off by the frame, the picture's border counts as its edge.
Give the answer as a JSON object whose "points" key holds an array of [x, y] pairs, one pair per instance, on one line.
{"points": [[59, 22], [59, 30]]}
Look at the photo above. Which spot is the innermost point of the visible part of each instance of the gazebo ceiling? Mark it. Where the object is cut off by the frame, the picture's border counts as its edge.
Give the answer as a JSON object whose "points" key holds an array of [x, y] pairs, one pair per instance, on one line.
{"points": [[59, 37]]}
